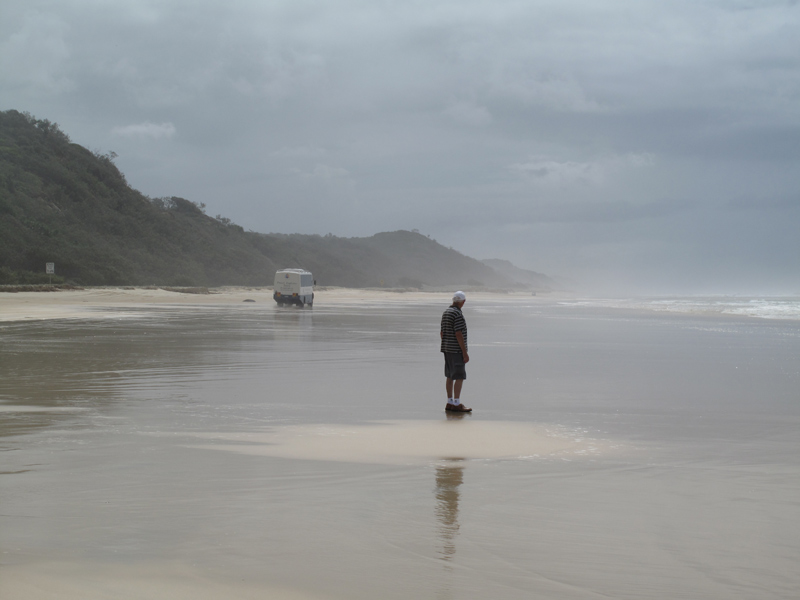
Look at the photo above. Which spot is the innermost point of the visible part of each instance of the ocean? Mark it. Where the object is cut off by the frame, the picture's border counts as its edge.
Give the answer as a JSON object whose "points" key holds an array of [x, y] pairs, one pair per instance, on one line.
{"points": [[633, 449]]}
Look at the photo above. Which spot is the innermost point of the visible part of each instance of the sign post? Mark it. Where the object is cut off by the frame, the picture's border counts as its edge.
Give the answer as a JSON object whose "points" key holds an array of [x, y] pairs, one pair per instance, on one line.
{"points": [[51, 269]]}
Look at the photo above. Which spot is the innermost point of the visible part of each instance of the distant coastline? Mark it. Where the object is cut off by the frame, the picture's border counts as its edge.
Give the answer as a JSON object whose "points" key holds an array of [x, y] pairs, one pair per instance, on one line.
{"points": [[127, 302]]}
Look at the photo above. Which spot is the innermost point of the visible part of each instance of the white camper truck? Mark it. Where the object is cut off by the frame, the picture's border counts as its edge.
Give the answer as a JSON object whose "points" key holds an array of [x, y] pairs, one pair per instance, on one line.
{"points": [[293, 286]]}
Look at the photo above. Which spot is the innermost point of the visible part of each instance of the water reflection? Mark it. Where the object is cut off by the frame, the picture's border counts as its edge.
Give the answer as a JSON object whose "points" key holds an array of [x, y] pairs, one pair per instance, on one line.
{"points": [[448, 479], [457, 416]]}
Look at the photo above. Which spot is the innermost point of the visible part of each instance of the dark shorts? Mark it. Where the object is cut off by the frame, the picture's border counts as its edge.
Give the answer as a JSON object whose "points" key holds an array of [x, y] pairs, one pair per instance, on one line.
{"points": [[454, 367]]}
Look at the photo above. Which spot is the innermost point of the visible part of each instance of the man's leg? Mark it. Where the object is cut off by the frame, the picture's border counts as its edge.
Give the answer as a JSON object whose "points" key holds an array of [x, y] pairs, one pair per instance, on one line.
{"points": [[457, 390], [453, 402], [456, 403]]}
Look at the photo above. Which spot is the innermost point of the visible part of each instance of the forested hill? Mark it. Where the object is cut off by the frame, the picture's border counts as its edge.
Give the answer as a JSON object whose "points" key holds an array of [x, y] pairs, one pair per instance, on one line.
{"points": [[61, 203]]}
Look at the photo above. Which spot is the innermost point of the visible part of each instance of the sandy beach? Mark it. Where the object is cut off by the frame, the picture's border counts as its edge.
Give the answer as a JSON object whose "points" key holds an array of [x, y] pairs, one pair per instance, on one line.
{"points": [[170, 445], [81, 303], [117, 302]]}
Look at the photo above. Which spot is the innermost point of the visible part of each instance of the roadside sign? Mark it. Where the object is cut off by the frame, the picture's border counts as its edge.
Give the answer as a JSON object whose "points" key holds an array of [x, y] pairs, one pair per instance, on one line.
{"points": [[51, 268]]}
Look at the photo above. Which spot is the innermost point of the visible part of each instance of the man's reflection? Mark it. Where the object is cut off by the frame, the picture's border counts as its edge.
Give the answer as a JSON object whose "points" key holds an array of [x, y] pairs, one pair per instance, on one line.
{"points": [[448, 478]]}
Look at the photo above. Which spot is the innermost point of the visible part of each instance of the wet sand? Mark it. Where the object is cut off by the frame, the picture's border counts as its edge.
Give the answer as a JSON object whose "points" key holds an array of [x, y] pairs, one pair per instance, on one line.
{"points": [[117, 301], [228, 449], [101, 581]]}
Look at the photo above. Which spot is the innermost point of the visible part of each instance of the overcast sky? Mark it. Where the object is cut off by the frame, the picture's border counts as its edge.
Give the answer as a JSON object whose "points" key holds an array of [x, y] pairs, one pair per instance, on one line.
{"points": [[628, 145]]}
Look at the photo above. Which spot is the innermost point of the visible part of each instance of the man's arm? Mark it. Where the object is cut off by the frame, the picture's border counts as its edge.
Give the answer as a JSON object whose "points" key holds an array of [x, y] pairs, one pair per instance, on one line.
{"points": [[460, 338]]}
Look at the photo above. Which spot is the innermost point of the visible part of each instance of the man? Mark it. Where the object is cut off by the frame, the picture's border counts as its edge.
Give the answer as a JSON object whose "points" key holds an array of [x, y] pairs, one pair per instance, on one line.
{"points": [[453, 333]]}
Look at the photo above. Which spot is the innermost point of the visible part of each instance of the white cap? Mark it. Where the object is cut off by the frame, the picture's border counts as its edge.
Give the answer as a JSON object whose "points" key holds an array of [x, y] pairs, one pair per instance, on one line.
{"points": [[459, 297]]}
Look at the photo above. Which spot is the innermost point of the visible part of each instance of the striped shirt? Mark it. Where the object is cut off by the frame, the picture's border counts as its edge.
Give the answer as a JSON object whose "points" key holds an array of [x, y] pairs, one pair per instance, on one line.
{"points": [[452, 321]]}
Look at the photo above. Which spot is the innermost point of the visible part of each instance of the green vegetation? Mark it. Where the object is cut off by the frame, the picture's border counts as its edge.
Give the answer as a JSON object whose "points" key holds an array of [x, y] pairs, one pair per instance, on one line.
{"points": [[61, 203]]}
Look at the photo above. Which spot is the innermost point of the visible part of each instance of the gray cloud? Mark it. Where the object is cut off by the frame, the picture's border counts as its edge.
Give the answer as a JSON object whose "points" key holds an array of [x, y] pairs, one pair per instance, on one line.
{"points": [[606, 141], [299, 152], [145, 130], [468, 114], [33, 56]]}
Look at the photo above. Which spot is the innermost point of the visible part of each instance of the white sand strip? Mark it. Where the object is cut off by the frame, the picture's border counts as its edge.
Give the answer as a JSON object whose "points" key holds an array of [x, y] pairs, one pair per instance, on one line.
{"points": [[411, 442], [97, 581]]}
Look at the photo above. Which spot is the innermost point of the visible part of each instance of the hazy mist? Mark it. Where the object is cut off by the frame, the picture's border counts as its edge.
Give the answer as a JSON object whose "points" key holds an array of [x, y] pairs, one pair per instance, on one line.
{"points": [[648, 146]]}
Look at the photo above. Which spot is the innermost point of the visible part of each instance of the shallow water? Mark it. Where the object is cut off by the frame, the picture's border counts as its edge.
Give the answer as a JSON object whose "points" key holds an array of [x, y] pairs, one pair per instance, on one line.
{"points": [[207, 452]]}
